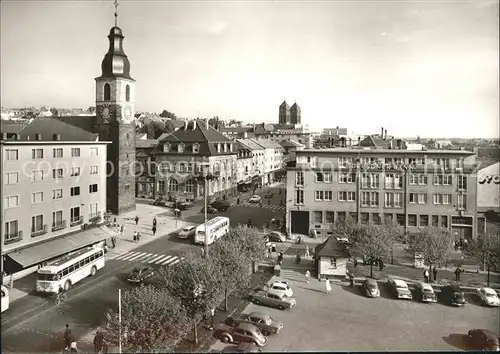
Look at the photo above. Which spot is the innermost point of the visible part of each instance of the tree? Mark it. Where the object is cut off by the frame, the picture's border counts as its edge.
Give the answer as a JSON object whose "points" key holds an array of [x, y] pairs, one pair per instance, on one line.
{"points": [[345, 228], [152, 321], [193, 283], [154, 128], [232, 266], [434, 243], [372, 241], [167, 114], [54, 111], [486, 249], [251, 243], [234, 122]]}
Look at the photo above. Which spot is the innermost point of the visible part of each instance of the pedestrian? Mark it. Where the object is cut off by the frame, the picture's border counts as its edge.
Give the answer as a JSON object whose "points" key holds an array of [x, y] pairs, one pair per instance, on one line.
{"points": [[136, 220], [466, 243], [122, 228], [67, 337], [203, 252], [381, 264], [269, 202], [113, 241], [136, 236], [457, 274], [355, 262], [328, 286], [154, 221], [154, 230], [238, 200], [456, 245], [72, 346], [426, 275], [98, 342], [351, 279], [307, 251], [308, 275]]}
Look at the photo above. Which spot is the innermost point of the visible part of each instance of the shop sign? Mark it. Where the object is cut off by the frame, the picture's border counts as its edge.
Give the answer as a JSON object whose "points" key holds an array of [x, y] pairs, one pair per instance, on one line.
{"points": [[490, 179]]}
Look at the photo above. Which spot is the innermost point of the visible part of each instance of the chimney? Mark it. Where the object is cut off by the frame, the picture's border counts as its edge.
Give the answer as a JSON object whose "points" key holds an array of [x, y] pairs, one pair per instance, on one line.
{"points": [[56, 137], [38, 137], [385, 134], [399, 143], [206, 123], [27, 137], [382, 132], [194, 124], [350, 142], [390, 144], [186, 125]]}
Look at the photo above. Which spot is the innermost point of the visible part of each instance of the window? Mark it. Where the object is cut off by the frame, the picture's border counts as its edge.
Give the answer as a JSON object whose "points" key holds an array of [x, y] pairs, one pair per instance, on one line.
{"points": [[393, 200], [422, 180], [444, 221], [318, 195], [393, 181], [333, 262], [107, 92], [57, 153], [412, 219], [374, 198], [173, 186], [318, 217], [180, 148], [94, 170], [370, 180], [37, 223], [182, 167], [328, 195], [400, 219], [57, 173], [345, 161], [75, 152], [161, 187], [94, 151], [11, 230], [351, 196], [342, 196], [75, 214], [127, 93], [36, 154], [11, 154], [422, 198], [11, 201], [424, 220], [461, 202], [75, 171], [447, 180], [327, 177], [75, 191], [319, 177], [57, 194], [413, 197], [347, 178], [299, 178], [92, 188], [441, 199], [36, 197], [12, 178], [37, 175], [435, 220], [347, 196], [329, 217], [93, 210], [299, 196], [188, 186], [196, 148], [376, 220], [462, 182], [57, 218]]}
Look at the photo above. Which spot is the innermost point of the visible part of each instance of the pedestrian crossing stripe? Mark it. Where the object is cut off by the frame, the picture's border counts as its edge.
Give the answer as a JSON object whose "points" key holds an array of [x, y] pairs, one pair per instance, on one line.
{"points": [[151, 258], [256, 205]]}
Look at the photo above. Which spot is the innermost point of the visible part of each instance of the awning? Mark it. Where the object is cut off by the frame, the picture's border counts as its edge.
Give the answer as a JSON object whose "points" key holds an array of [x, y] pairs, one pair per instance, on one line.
{"points": [[44, 251]]}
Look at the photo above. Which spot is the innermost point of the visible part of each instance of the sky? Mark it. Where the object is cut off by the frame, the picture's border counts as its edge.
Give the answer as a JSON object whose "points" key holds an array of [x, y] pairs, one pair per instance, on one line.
{"points": [[427, 68]]}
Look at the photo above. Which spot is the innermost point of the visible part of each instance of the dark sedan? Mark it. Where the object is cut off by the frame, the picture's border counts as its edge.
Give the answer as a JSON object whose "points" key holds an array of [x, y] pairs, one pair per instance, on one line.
{"points": [[210, 210], [482, 339], [139, 274], [221, 205], [262, 321], [453, 295]]}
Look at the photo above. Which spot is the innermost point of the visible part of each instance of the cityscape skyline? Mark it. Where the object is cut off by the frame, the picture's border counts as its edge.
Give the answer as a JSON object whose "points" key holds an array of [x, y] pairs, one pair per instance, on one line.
{"points": [[300, 53]]}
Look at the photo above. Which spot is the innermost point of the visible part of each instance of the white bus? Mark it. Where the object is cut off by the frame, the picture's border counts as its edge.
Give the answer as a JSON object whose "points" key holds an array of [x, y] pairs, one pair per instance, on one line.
{"points": [[216, 228], [69, 270], [5, 298]]}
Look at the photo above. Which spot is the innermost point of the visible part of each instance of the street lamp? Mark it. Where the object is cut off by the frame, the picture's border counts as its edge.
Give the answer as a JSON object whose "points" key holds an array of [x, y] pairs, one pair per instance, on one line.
{"points": [[206, 167]]}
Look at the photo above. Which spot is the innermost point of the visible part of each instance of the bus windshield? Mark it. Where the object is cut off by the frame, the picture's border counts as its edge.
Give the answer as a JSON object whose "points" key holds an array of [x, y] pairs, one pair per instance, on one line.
{"points": [[47, 277]]}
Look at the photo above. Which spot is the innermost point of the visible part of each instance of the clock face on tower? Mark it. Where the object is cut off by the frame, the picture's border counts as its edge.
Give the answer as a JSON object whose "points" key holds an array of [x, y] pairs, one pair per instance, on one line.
{"points": [[127, 116], [105, 112]]}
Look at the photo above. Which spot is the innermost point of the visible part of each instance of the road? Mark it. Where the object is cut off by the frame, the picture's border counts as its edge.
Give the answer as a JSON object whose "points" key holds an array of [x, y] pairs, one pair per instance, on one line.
{"points": [[34, 324]]}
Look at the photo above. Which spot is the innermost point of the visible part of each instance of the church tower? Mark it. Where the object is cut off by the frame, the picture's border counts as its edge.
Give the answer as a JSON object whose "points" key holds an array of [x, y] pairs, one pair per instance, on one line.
{"points": [[295, 114], [284, 113], [115, 92]]}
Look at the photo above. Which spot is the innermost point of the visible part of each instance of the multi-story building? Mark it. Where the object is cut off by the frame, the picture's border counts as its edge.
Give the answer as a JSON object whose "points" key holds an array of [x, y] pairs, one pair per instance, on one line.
{"points": [[488, 191], [273, 159], [53, 184], [414, 189], [258, 159], [145, 167], [244, 171], [182, 155]]}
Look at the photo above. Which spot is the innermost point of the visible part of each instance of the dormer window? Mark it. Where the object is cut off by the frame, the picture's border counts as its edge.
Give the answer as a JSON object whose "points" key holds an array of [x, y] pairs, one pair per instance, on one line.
{"points": [[218, 147], [230, 147], [180, 148], [166, 147], [196, 148]]}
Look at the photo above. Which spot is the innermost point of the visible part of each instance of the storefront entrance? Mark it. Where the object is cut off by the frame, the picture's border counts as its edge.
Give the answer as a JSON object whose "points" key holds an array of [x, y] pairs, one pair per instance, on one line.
{"points": [[299, 222]]}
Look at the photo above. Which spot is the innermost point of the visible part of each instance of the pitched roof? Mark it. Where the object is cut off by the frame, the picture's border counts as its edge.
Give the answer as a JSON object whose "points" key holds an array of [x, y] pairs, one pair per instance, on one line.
{"points": [[11, 127], [267, 143], [250, 144], [145, 143], [331, 248], [244, 129], [82, 122], [47, 127], [240, 147], [290, 144]]}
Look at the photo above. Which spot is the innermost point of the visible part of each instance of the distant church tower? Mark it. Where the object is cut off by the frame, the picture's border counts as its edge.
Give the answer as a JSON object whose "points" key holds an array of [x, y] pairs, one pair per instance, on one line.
{"points": [[284, 115], [295, 114], [115, 92]]}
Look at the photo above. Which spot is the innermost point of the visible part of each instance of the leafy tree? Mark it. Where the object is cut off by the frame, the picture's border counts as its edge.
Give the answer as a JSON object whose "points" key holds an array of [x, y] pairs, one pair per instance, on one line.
{"points": [[167, 114], [346, 228], [372, 241], [434, 243], [486, 249], [54, 111], [154, 129], [234, 122], [193, 283], [152, 321], [250, 241]]}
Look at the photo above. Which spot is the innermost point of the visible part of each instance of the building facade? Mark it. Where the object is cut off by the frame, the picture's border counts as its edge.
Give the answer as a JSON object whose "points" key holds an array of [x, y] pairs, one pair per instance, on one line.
{"points": [[145, 168], [413, 189], [53, 184], [488, 191], [273, 159], [244, 163], [284, 113], [258, 159]]}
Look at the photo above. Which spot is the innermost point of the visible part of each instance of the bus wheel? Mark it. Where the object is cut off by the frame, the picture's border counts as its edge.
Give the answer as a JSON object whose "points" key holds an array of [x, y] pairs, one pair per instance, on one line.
{"points": [[93, 271], [67, 285]]}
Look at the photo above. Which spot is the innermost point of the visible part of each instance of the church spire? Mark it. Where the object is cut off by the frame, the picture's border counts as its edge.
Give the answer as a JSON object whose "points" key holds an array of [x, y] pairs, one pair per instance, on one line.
{"points": [[116, 12]]}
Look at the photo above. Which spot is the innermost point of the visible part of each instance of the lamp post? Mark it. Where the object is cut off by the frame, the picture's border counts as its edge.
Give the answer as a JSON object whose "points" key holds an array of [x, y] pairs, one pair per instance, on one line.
{"points": [[119, 320], [206, 167]]}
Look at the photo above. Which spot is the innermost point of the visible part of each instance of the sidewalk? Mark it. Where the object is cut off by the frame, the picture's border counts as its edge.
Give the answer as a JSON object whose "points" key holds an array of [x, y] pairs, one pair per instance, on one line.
{"points": [[124, 243]]}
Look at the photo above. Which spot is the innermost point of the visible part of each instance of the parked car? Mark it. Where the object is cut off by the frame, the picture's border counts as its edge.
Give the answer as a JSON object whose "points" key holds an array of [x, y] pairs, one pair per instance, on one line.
{"points": [[262, 321], [425, 293], [254, 199], [187, 232], [453, 295], [159, 202], [482, 339], [243, 332], [244, 347], [182, 205], [221, 205], [399, 288], [275, 236], [139, 274], [370, 286], [210, 210], [268, 195], [280, 286], [488, 296], [343, 239], [274, 298]]}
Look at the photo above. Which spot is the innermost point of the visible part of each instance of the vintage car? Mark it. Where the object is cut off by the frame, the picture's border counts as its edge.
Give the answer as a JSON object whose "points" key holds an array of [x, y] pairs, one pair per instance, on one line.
{"points": [[425, 293], [370, 287], [488, 296], [273, 298], [243, 332], [262, 321], [187, 232], [139, 274], [399, 289], [221, 205], [483, 339], [453, 295], [254, 199]]}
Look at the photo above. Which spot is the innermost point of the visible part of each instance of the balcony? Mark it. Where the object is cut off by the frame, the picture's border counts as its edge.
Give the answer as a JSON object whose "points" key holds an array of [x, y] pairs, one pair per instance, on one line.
{"points": [[40, 232], [95, 217], [59, 225], [76, 221], [13, 237]]}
